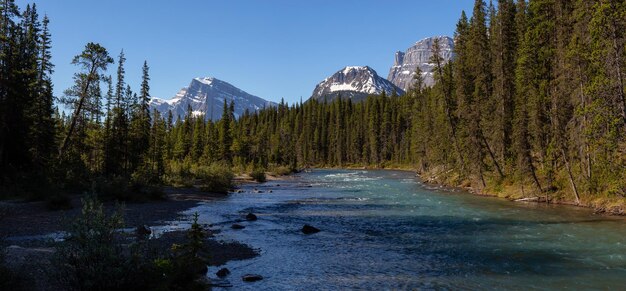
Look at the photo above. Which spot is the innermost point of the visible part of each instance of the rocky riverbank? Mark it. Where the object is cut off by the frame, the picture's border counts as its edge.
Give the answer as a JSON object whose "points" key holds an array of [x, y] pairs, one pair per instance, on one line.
{"points": [[29, 233]]}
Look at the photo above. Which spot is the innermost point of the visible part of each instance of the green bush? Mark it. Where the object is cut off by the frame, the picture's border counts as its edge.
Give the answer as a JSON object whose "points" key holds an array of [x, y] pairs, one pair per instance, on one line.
{"points": [[90, 259], [258, 175], [190, 259], [96, 256], [282, 170], [178, 173], [216, 178], [111, 188], [146, 176], [123, 189]]}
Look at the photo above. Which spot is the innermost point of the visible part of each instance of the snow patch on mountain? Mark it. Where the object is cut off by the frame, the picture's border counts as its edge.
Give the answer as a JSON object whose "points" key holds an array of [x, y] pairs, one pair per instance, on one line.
{"points": [[355, 82], [206, 97]]}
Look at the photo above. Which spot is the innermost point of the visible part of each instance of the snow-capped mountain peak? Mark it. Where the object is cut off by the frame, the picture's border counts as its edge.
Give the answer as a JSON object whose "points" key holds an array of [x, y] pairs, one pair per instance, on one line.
{"points": [[355, 82], [206, 96]]}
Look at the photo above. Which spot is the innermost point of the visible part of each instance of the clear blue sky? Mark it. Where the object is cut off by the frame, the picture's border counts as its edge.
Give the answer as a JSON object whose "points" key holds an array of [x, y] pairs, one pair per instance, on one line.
{"points": [[271, 48]]}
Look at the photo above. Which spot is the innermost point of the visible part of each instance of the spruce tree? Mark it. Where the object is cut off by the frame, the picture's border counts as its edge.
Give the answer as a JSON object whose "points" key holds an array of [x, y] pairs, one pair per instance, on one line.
{"points": [[225, 137]]}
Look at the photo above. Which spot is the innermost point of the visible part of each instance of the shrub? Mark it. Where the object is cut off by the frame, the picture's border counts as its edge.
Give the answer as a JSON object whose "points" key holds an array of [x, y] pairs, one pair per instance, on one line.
{"points": [[112, 188], [216, 178], [123, 189], [89, 259], [178, 173], [95, 256], [258, 175], [282, 170], [146, 176], [190, 259]]}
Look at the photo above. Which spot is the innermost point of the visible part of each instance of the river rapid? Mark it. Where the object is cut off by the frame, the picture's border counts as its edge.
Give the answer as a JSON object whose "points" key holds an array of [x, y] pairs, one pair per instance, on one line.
{"points": [[385, 230]]}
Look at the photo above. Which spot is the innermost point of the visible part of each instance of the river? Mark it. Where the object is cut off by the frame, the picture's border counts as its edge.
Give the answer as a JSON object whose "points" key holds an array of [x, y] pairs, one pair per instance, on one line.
{"points": [[386, 230]]}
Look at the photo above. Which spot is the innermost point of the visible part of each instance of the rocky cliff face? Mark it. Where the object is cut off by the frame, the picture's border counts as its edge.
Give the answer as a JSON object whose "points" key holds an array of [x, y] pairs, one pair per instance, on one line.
{"points": [[405, 63], [206, 97], [355, 83]]}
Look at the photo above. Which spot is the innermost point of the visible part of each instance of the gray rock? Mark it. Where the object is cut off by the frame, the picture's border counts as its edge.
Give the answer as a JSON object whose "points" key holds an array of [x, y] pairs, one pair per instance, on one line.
{"points": [[307, 229], [143, 231], [206, 96], [354, 83], [251, 217], [251, 278], [403, 70], [223, 272]]}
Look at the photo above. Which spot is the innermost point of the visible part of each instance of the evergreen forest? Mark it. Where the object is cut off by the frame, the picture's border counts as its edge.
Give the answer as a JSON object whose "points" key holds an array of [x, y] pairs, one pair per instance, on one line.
{"points": [[532, 105]]}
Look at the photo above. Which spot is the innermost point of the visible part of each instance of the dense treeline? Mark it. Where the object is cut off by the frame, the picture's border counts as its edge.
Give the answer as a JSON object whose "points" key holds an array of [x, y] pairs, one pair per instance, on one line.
{"points": [[27, 124], [533, 104], [109, 142]]}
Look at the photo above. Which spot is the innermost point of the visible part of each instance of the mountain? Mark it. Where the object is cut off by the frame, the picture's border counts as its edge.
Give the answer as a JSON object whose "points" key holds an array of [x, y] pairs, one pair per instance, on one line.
{"points": [[403, 69], [355, 83], [206, 96]]}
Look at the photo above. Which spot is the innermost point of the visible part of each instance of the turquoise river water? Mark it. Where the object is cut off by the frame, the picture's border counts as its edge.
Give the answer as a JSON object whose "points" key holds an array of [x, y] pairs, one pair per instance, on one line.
{"points": [[385, 230]]}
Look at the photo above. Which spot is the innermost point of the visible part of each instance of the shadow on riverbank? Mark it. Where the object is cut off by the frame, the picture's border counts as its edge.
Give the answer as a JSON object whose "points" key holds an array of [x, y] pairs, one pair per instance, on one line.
{"points": [[30, 233]]}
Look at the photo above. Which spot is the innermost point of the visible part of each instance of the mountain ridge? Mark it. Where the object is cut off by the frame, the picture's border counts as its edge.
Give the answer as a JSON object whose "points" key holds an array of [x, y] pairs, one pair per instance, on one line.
{"points": [[206, 96], [353, 82], [402, 72]]}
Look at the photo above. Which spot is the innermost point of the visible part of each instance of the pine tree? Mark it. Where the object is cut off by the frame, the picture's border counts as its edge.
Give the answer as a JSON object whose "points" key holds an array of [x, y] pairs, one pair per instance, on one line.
{"points": [[120, 85], [504, 50], [225, 137], [373, 112], [93, 61], [197, 143], [525, 82]]}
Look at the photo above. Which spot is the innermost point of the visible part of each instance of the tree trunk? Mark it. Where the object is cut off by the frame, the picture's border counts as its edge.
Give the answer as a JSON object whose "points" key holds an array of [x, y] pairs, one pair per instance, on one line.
{"points": [[491, 154], [620, 80], [81, 101], [585, 150], [571, 178], [532, 172]]}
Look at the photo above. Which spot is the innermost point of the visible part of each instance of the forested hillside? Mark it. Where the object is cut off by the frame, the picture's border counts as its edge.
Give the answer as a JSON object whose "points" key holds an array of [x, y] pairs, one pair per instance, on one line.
{"points": [[532, 105]]}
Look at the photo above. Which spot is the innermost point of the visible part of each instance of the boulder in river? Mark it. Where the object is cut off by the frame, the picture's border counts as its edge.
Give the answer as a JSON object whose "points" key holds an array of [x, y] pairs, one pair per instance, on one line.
{"points": [[251, 277], [223, 272], [143, 231], [307, 229], [201, 268], [251, 217], [237, 226]]}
